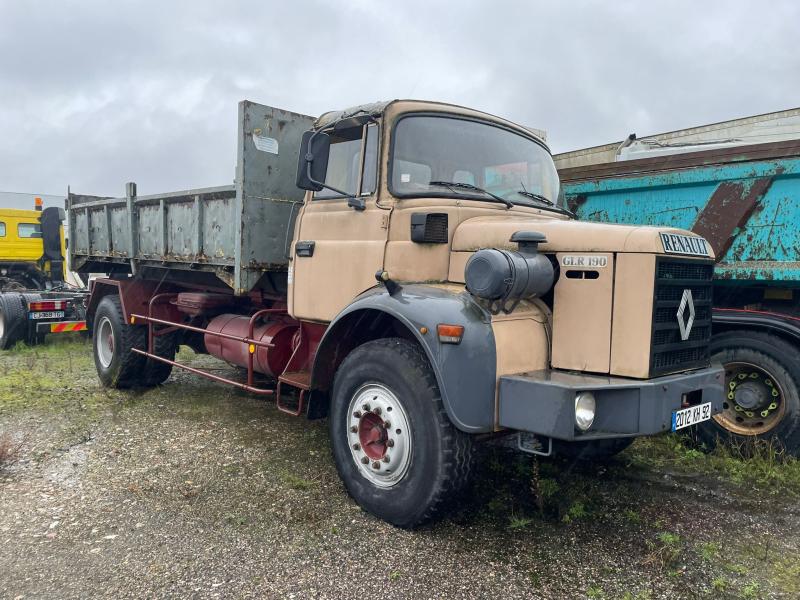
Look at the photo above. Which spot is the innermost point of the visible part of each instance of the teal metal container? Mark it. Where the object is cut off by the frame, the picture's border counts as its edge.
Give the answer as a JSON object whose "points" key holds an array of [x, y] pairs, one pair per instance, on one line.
{"points": [[744, 200]]}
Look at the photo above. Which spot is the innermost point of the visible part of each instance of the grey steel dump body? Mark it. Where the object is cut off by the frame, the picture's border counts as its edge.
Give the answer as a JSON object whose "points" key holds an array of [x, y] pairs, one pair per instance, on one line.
{"points": [[238, 233]]}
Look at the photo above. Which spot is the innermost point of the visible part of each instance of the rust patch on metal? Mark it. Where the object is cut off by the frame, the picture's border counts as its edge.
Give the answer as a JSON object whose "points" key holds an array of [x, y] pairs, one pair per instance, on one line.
{"points": [[575, 202], [729, 207]]}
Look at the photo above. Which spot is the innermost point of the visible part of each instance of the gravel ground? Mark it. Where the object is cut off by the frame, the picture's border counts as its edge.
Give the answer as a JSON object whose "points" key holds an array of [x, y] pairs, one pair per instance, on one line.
{"points": [[193, 489]]}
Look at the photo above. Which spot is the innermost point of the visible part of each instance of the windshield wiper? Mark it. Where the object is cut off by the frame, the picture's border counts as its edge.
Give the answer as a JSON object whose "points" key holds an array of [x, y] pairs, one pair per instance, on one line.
{"points": [[546, 200], [453, 185]]}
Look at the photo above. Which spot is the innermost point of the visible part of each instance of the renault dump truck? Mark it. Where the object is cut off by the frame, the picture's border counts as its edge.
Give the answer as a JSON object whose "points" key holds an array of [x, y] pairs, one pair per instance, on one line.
{"points": [[737, 184], [402, 268], [35, 299]]}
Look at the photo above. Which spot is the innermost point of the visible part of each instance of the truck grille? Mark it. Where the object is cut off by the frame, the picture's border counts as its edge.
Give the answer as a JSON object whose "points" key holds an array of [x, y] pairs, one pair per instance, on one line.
{"points": [[669, 351]]}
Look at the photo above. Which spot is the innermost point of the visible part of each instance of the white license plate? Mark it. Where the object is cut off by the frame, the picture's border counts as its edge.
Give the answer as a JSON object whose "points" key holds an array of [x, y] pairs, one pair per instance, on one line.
{"points": [[48, 314], [689, 416]]}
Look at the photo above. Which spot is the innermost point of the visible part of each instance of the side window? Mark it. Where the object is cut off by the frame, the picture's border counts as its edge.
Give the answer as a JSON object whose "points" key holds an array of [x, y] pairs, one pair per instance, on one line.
{"points": [[29, 230], [353, 162], [2, 229]]}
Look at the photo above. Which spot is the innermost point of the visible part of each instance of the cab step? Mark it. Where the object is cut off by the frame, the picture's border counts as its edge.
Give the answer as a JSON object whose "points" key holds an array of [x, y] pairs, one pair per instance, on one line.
{"points": [[296, 379]]}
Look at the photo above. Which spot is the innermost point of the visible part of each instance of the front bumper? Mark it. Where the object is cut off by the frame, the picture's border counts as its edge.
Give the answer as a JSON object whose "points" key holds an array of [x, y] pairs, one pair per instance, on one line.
{"points": [[543, 402]]}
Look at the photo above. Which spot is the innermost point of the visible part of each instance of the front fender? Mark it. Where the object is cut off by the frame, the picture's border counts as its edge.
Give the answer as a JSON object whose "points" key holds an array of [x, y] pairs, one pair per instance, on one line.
{"points": [[465, 372]]}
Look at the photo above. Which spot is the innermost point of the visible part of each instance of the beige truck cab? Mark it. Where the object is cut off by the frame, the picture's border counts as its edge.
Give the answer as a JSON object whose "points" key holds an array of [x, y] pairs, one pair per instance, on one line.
{"points": [[590, 333]]}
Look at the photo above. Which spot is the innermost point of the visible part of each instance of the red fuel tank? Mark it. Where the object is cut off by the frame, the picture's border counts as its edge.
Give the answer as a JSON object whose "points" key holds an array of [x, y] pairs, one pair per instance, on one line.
{"points": [[269, 361]]}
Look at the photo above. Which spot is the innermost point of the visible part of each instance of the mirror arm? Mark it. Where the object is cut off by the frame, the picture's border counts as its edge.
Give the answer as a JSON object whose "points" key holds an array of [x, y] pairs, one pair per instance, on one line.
{"points": [[352, 201]]}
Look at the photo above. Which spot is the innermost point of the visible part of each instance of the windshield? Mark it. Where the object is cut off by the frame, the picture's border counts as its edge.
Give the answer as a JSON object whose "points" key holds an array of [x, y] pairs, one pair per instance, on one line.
{"points": [[446, 149]]}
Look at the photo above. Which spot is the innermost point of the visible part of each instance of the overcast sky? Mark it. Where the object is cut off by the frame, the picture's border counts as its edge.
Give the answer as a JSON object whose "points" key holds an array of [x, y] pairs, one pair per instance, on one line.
{"points": [[97, 93]]}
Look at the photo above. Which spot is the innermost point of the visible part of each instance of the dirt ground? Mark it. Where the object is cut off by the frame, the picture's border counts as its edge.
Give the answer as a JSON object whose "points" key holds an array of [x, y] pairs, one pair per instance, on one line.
{"points": [[193, 489]]}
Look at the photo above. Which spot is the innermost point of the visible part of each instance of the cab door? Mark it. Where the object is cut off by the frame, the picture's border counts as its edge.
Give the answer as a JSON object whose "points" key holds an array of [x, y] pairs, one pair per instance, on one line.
{"points": [[338, 247]]}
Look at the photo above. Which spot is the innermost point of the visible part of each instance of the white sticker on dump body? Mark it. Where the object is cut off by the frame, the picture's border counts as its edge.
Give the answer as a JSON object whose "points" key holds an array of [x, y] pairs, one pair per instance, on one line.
{"points": [[585, 261], [265, 144]]}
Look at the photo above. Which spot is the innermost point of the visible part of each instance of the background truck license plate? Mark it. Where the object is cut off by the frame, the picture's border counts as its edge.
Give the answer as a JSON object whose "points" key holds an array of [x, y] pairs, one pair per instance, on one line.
{"points": [[50, 314], [689, 416]]}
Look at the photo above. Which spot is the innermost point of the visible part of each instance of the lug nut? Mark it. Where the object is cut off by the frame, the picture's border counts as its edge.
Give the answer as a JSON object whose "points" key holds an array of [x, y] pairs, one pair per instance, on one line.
{"points": [[376, 465], [387, 424], [357, 414], [356, 446], [390, 443], [365, 407], [354, 429], [364, 460], [386, 459], [376, 410]]}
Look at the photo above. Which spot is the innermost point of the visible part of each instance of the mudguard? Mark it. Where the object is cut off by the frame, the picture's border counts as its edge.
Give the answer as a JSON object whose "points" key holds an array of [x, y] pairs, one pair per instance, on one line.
{"points": [[465, 372]]}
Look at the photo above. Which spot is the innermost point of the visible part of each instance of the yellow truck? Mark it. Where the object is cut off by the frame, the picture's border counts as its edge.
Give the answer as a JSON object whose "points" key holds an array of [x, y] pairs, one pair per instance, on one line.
{"points": [[34, 297]]}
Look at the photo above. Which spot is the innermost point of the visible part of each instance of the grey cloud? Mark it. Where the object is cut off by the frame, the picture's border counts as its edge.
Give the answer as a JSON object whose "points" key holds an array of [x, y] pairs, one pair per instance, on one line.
{"points": [[94, 94]]}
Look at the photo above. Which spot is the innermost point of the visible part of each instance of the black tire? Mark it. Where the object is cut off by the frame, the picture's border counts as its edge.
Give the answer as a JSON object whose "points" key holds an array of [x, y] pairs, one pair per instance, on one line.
{"points": [[781, 361], [155, 371], [125, 367], [440, 458], [594, 450], [12, 319]]}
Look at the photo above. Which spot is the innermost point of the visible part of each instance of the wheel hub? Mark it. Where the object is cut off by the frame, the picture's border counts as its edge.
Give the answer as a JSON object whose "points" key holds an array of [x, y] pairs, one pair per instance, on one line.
{"points": [[379, 435], [373, 435], [754, 402], [104, 342], [748, 395]]}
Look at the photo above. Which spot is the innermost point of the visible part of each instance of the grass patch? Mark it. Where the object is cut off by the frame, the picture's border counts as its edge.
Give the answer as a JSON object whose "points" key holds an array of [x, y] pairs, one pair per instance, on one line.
{"points": [[758, 463], [785, 576], [665, 551], [296, 482], [709, 551]]}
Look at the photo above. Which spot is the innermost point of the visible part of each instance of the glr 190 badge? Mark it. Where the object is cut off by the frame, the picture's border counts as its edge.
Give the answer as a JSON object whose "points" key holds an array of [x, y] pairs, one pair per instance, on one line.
{"points": [[589, 262]]}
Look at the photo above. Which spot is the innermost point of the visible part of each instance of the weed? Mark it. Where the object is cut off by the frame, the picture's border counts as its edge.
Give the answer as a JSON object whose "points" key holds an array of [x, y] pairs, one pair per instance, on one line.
{"points": [[632, 516], [665, 552], [751, 590], [394, 575], [595, 591], [297, 483], [576, 511], [519, 522], [709, 551], [734, 568], [235, 520], [719, 584]]}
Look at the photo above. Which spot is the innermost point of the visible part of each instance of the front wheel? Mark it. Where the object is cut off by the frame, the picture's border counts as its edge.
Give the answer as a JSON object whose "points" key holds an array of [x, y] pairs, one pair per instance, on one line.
{"points": [[395, 448], [762, 379]]}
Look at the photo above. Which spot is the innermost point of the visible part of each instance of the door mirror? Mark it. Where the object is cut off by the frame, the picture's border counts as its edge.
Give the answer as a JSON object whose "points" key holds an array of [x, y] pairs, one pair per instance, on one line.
{"points": [[312, 164]]}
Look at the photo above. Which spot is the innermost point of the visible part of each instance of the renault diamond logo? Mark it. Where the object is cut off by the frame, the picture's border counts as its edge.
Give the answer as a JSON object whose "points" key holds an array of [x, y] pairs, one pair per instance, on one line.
{"points": [[684, 323]]}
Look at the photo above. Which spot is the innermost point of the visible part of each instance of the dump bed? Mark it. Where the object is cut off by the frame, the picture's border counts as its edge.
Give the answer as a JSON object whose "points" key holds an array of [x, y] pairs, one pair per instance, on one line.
{"points": [[237, 233], [745, 200]]}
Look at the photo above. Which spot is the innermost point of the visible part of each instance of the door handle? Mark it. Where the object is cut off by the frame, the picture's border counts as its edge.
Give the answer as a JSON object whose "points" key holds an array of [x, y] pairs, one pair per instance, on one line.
{"points": [[304, 248]]}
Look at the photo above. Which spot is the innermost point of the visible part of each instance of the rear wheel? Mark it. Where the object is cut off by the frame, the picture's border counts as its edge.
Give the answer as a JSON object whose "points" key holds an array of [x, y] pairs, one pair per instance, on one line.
{"points": [[395, 448], [12, 320], [762, 378], [113, 341]]}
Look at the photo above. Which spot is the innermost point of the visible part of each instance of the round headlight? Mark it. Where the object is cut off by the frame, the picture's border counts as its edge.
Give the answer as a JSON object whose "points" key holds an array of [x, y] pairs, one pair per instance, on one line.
{"points": [[584, 410]]}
